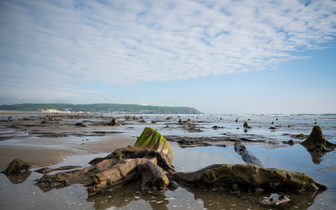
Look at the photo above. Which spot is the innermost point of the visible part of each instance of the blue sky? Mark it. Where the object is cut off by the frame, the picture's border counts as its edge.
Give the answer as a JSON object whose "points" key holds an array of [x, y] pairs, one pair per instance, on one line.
{"points": [[228, 56]]}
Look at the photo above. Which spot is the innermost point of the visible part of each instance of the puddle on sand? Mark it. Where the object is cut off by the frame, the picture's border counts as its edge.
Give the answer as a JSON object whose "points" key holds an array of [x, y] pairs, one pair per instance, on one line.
{"points": [[28, 196]]}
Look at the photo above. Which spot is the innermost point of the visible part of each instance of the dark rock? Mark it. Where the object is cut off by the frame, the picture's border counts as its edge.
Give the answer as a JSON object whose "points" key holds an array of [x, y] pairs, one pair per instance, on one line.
{"points": [[17, 167], [299, 136], [215, 127], [290, 142], [246, 125], [80, 125], [272, 128], [113, 122]]}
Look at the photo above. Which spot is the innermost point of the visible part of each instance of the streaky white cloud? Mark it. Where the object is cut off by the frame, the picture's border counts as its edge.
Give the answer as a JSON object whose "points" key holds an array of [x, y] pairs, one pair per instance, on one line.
{"points": [[129, 42]]}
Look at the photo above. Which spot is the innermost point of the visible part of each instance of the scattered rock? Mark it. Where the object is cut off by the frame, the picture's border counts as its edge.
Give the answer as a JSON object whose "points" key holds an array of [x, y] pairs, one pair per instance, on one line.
{"points": [[290, 142], [215, 127], [273, 142], [17, 167], [290, 126], [299, 136], [246, 125], [80, 124], [113, 122]]}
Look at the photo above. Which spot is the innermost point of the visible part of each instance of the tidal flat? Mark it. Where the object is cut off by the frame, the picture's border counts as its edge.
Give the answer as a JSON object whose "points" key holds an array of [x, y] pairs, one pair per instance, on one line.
{"points": [[197, 141]]}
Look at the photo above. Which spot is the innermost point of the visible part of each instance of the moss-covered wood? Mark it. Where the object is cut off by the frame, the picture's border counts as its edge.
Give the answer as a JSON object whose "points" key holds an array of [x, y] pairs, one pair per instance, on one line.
{"points": [[150, 139], [149, 162]]}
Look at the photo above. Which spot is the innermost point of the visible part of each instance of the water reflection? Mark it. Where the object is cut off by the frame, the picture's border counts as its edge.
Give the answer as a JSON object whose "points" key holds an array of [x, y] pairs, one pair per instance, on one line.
{"points": [[295, 158], [123, 196], [129, 195], [218, 200], [20, 178], [317, 157]]}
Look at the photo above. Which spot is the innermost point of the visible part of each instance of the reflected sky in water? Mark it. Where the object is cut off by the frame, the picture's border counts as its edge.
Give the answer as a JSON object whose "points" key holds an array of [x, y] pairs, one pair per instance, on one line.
{"points": [[296, 158]]}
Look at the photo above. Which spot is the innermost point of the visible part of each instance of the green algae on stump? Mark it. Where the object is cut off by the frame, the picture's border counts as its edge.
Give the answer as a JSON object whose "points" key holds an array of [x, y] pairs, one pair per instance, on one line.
{"points": [[150, 139]]}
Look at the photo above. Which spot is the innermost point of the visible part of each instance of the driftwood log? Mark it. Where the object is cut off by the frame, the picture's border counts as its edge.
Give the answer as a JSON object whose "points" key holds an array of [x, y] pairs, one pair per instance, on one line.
{"points": [[246, 155], [149, 162]]}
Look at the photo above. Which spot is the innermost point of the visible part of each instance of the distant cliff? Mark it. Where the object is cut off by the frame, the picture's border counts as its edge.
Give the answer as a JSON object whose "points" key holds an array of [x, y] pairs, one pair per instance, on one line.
{"points": [[103, 108]]}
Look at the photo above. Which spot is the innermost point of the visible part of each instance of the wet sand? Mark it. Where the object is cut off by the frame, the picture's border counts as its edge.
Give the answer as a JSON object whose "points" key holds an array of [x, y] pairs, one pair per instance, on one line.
{"points": [[52, 152], [42, 144], [195, 143]]}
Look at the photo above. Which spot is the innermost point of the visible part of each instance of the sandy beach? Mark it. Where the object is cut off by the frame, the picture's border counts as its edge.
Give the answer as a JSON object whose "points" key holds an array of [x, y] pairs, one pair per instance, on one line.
{"points": [[50, 142]]}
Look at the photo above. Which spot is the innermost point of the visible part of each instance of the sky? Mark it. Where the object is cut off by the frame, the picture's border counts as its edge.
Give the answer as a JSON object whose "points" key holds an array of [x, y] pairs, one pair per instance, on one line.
{"points": [[218, 56]]}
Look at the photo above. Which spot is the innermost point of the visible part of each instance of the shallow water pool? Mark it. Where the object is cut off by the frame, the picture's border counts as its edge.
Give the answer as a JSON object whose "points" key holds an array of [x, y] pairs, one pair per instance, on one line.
{"points": [[25, 195]]}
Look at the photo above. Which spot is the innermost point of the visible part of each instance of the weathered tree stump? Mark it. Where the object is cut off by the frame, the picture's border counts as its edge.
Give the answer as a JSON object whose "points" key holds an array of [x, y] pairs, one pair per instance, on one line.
{"points": [[16, 167], [316, 141], [149, 162]]}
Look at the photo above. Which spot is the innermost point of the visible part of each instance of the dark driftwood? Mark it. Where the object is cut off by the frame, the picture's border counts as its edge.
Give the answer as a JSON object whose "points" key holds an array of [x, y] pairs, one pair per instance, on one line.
{"points": [[246, 155], [248, 177]]}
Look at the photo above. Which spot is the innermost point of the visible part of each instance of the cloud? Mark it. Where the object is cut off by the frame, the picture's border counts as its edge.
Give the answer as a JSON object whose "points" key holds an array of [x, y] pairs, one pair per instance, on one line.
{"points": [[129, 42]]}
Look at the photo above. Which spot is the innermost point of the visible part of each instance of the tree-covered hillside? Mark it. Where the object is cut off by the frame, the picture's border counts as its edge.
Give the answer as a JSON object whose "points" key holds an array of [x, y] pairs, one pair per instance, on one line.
{"points": [[102, 108]]}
